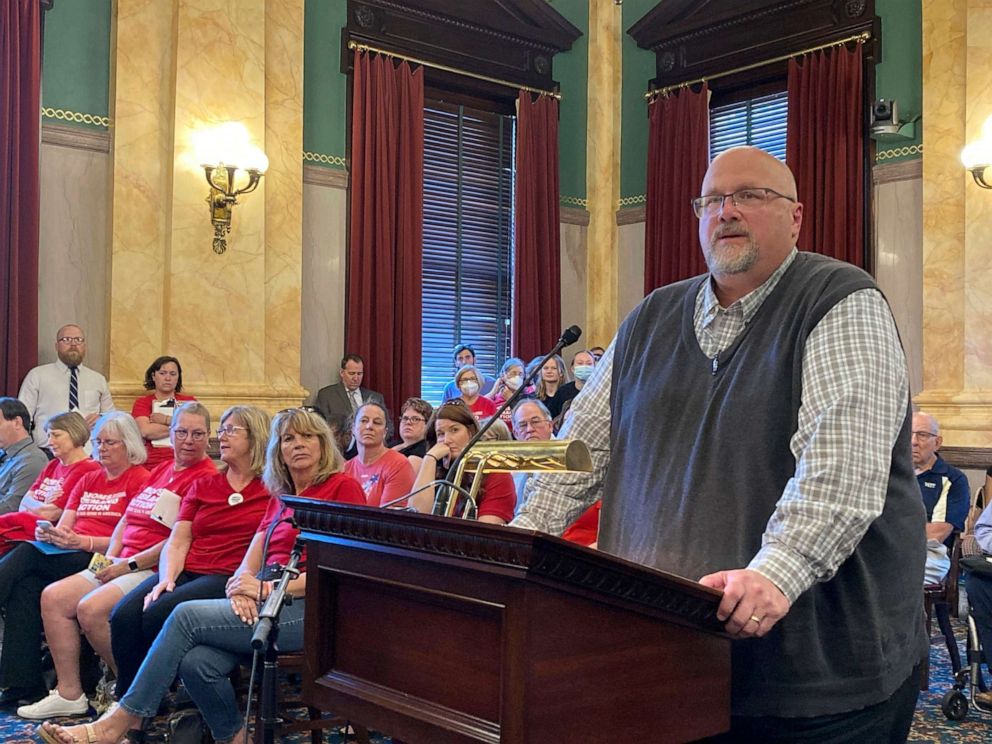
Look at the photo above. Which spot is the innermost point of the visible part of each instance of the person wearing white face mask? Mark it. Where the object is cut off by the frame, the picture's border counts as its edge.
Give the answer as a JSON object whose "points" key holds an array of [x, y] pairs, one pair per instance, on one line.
{"points": [[511, 377], [469, 381], [583, 364]]}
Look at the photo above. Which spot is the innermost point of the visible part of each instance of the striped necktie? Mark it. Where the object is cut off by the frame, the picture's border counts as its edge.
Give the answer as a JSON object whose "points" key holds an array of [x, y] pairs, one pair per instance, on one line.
{"points": [[73, 388]]}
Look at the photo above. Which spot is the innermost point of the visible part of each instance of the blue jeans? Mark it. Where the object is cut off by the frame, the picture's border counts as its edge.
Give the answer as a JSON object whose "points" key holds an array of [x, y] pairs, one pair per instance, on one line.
{"points": [[201, 642]]}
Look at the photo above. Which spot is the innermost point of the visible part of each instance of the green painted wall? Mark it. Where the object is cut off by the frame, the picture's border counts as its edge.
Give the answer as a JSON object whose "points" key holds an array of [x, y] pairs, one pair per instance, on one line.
{"points": [[325, 87], [899, 75], [76, 67], [638, 68], [571, 70]]}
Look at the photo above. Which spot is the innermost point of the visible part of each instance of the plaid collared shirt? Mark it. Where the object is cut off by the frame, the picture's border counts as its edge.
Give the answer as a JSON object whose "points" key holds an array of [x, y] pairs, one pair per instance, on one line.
{"points": [[854, 398]]}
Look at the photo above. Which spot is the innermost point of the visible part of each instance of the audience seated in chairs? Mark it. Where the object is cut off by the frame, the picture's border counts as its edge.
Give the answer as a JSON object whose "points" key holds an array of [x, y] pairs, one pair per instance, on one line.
{"points": [[85, 599], [47, 496], [85, 527], [203, 641], [450, 429], [384, 474], [217, 520]]}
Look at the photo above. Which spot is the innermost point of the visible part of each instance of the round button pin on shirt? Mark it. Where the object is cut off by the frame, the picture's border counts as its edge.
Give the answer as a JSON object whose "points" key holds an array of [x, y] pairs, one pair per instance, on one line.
{"points": [[234, 499]]}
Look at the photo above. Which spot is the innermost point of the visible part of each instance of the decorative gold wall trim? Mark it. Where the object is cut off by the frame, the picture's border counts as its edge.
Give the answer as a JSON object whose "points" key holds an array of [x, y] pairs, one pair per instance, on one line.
{"points": [[574, 201], [319, 157], [75, 137], [904, 170], [977, 458], [75, 116], [899, 152], [573, 216], [631, 201], [316, 175], [631, 215]]}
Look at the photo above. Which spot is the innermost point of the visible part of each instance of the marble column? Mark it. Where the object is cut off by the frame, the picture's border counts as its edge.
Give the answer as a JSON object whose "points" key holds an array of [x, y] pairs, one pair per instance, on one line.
{"points": [[603, 170], [957, 218], [233, 320]]}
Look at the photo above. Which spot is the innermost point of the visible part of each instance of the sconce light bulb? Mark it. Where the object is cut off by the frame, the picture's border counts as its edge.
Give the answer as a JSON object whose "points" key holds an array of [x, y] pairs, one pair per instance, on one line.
{"points": [[987, 130], [977, 154]]}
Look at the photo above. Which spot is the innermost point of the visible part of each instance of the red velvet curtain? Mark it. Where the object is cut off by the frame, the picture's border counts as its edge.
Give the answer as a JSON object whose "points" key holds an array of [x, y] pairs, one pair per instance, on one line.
{"points": [[386, 231], [20, 107], [537, 265], [825, 149], [678, 154]]}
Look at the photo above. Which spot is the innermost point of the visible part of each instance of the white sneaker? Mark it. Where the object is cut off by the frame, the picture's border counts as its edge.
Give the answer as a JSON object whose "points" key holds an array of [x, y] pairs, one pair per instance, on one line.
{"points": [[54, 706]]}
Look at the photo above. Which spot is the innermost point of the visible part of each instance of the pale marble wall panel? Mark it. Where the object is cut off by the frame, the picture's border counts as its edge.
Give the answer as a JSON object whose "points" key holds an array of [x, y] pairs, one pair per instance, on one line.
{"points": [[74, 250], [631, 267], [325, 220], [573, 280]]}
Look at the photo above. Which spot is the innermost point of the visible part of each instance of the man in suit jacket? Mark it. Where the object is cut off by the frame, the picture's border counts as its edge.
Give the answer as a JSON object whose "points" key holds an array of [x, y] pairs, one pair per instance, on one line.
{"points": [[344, 398]]}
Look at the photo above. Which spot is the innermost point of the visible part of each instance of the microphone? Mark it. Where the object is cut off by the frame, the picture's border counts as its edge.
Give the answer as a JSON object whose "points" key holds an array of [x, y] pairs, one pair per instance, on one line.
{"points": [[568, 337]]}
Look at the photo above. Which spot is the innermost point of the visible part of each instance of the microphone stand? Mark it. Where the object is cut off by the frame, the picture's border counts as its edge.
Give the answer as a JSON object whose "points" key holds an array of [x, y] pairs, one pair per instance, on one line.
{"points": [[568, 337], [266, 635], [463, 491]]}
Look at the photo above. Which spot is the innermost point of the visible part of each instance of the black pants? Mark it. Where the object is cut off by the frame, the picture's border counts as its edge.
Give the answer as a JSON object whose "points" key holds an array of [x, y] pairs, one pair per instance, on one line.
{"points": [[887, 722], [133, 629], [24, 572]]}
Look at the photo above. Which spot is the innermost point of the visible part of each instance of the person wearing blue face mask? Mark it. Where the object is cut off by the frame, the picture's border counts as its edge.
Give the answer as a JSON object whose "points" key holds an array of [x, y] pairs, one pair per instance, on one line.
{"points": [[583, 364]]}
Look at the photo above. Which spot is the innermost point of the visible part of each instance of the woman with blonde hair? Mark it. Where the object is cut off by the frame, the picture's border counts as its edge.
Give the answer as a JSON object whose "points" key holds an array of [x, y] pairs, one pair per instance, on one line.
{"points": [[217, 519]]}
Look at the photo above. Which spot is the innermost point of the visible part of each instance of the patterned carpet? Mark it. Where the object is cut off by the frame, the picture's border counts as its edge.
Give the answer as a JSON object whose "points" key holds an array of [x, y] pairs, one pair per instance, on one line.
{"points": [[930, 725]]}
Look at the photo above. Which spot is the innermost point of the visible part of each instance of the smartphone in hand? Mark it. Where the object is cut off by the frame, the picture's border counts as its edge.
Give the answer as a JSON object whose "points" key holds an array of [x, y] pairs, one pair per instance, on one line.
{"points": [[44, 524]]}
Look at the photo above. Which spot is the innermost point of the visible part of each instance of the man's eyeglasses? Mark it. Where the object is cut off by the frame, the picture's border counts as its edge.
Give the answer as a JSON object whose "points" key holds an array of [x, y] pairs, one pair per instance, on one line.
{"points": [[744, 199], [531, 423], [412, 420], [197, 435], [926, 436], [71, 340], [229, 429]]}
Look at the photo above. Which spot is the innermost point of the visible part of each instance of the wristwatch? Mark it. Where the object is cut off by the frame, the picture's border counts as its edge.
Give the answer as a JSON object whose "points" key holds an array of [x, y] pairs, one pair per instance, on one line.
{"points": [[132, 565]]}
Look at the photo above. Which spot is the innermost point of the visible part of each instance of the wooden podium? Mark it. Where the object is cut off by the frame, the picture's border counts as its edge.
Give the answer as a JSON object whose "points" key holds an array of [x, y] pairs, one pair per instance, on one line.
{"points": [[437, 630]]}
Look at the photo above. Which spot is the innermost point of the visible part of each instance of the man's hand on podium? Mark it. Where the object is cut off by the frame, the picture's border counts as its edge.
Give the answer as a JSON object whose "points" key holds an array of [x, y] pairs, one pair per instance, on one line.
{"points": [[751, 603]]}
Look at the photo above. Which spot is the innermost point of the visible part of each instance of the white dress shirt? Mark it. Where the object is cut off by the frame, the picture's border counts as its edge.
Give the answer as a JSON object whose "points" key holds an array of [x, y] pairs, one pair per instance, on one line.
{"points": [[45, 392]]}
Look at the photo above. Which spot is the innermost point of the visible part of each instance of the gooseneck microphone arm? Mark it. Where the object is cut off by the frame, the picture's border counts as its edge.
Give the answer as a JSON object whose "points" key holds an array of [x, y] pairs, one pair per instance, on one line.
{"points": [[568, 337]]}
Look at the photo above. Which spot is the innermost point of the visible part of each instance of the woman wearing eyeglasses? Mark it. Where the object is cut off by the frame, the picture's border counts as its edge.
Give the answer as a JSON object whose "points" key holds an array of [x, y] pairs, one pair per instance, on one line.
{"points": [[84, 600], [202, 641], [91, 513], [154, 411], [413, 427], [217, 520]]}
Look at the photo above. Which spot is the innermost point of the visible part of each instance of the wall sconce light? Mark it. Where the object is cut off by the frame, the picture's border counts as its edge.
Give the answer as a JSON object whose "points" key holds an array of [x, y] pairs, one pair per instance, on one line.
{"points": [[226, 155], [977, 155]]}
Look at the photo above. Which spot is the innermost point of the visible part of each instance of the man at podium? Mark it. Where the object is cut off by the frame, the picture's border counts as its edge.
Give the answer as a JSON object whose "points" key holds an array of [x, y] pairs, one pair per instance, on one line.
{"points": [[750, 429]]}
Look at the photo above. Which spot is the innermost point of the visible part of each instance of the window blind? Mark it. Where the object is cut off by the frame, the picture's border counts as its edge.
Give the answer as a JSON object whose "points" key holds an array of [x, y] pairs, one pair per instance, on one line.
{"points": [[757, 121]]}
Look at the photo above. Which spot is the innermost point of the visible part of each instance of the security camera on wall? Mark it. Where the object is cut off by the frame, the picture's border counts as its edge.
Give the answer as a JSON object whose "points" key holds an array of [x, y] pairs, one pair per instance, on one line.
{"points": [[885, 117]]}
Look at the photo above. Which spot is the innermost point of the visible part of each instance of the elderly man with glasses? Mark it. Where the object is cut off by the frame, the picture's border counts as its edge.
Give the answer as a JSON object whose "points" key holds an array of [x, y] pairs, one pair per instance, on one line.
{"points": [[64, 385], [945, 494], [750, 430]]}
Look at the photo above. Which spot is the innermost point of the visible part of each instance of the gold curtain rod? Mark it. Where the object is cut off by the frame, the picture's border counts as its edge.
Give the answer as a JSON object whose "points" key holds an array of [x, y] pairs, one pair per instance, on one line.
{"points": [[354, 45], [860, 38]]}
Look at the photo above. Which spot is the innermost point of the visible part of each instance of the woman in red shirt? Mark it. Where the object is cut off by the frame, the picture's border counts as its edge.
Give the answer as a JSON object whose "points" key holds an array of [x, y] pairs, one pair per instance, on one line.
{"points": [[91, 514], [449, 430], [67, 436], [154, 411], [469, 379], [384, 474], [217, 519], [84, 600], [203, 641]]}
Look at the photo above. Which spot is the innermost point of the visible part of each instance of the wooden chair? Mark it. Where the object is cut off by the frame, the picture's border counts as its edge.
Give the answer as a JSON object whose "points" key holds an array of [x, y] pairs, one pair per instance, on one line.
{"points": [[289, 705]]}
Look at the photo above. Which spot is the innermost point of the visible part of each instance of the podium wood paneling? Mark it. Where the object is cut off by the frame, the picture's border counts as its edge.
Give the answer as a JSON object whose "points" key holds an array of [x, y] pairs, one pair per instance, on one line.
{"points": [[436, 630]]}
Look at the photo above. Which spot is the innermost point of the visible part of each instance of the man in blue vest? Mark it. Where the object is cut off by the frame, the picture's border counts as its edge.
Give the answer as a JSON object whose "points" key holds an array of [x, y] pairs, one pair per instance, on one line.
{"points": [[750, 429], [945, 493]]}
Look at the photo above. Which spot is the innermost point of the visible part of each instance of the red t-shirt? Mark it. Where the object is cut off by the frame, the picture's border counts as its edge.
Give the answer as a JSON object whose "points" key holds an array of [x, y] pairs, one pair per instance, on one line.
{"points": [[56, 481], [386, 479], [222, 525], [143, 407], [142, 531], [339, 487], [497, 497], [482, 408], [99, 503]]}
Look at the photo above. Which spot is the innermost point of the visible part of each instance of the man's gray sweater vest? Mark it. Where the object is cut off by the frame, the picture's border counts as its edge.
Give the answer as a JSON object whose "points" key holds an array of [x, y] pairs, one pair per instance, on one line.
{"points": [[700, 456]]}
